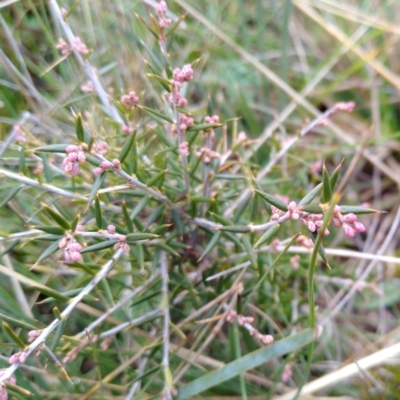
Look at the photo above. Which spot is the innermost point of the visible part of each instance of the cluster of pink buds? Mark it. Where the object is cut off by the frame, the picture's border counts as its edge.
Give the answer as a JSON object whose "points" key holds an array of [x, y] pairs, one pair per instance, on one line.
{"points": [[75, 156], [161, 9], [65, 49], [19, 357], [101, 147], [208, 154], [349, 222], [185, 123], [71, 248], [3, 389], [184, 149], [247, 323], [129, 100], [106, 165], [122, 239], [287, 373], [314, 221], [182, 75], [211, 120]]}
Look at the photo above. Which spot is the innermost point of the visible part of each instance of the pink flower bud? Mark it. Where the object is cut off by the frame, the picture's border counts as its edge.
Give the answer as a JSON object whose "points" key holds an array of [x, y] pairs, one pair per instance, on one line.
{"points": [[359, 227], [350, 218], [79, 228], [311, 226], [76, 246], [75, 256], [71, 148], [116, 163], [111, 229], [75, 170], [98, 171], [105, 165], [349, 231]]}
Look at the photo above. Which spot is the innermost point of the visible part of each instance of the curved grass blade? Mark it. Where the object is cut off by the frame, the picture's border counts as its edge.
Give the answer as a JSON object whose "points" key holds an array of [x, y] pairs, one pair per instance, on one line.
{"points": [[246, 363]]}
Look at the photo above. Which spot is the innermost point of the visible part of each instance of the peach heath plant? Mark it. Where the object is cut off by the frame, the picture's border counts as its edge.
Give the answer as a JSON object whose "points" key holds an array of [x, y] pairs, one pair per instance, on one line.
{"points": [[114, 224]]}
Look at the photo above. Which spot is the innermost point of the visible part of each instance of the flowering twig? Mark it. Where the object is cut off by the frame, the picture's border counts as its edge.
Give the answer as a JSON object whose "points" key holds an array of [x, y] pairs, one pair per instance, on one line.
{"points": [[285, 148], [111, 110], [247, 323], [65, 314]]}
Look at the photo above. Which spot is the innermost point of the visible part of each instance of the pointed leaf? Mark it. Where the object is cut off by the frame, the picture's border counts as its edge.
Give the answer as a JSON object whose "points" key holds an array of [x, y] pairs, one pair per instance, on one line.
{"points": [[132, 237], [359, 210], [99, 246], [164, 82], [335, 176], [156, 178], [203, 127], [96, 186], [10, 195], [54, 230], [97, 212], [50, 250], [22, 159], [56, 217], [75, 222], [52, 148], [211, 244], [19, 323], [250, 252], [308, 198], [326, 187], [50, 292], [8, 248], [157, 114], [279, 204], [83, 267], [79, 128], [127, 219], [268, 236], [127, 147], [140, 206], [168, 249], [18, 341]]}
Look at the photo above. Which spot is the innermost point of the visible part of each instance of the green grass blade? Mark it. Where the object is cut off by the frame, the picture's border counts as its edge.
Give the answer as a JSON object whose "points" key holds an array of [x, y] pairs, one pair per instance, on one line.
{"points": [[246, 363]]}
